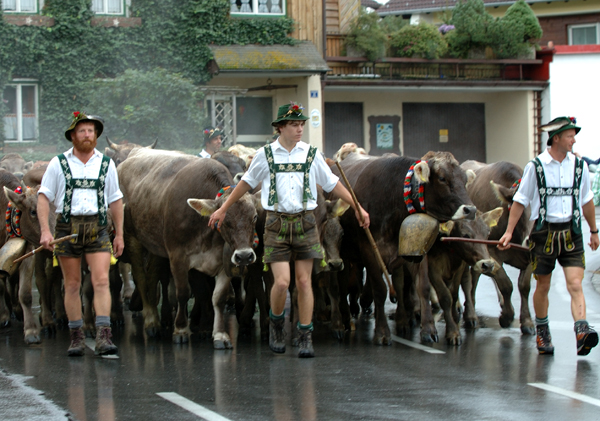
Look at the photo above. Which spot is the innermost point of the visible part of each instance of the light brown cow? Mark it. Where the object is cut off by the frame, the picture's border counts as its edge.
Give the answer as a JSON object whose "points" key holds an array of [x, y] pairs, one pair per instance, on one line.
{"points": [[119, 153]]}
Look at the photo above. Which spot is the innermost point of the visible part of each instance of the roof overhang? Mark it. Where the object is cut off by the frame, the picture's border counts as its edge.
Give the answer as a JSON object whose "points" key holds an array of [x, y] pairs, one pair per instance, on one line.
{"points": [[277, 60], [442, 6], [434, 85]]}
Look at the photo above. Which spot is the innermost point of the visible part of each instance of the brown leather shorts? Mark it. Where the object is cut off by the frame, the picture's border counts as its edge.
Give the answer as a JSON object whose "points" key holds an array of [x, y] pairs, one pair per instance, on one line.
{"points": [[555, 242], [91, 237], [291, 236]]}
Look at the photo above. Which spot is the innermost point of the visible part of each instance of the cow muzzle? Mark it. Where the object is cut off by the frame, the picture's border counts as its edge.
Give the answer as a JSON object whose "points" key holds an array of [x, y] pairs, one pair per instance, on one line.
{"points": [[465, 212], [335, 265], [243, 257], [486, 267]]}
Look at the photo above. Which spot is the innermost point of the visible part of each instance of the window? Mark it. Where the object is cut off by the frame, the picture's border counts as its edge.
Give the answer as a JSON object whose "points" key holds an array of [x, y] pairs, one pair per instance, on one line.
{"points": [[21, 119], [583, 34], [19, 6], [258, 7], [107, 7], [253, 119]]}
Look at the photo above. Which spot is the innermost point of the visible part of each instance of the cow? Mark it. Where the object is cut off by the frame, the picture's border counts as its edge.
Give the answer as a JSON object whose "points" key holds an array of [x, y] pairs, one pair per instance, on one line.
{"points": [[29, 227], [438, 188], [119, 153], [494, 186], [244, 152], [235, 164], [449, 262], [14, 163], [168, 196], [346, 149]]}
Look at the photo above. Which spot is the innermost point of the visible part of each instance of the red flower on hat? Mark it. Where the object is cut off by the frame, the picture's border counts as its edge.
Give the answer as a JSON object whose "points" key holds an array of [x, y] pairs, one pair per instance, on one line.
{"points": [[76, 114], [573, 120]]}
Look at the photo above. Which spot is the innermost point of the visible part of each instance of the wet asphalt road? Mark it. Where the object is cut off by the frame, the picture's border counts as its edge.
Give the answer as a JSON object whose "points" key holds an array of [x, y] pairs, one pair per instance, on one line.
{"points": [[496, 374]]}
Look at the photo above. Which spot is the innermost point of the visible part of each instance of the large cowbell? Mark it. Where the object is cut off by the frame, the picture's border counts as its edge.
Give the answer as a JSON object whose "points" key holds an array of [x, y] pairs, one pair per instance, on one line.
{"points": [[417, 235], [10, 251]]}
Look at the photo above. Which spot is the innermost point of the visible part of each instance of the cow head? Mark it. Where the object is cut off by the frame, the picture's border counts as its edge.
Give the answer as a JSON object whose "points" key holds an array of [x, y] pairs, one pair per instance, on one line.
{"points": [[26, 202], [331, 235], [445, 190], [475, 254], [238, 225], [119, 153], [235, 165]]}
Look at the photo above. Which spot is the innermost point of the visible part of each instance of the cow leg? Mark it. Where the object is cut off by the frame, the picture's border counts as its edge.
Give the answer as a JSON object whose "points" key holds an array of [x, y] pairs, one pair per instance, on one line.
{"points": [[527, 326], [401, 318], [338, 328], [203, 315], [30, 328], [125, 272], [505, 287], [87, 292], [445, 301], [342, 282], [221, 338], [320, 283], [4, 297], [45, 290], [54, 275], [466, 283], [254, 292], [382, 335], [428, 329], [116, 284], [181, 330], [264, 304]]}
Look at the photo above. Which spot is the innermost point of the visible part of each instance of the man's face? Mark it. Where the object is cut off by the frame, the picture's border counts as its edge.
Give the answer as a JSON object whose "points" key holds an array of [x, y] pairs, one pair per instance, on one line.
{"points": [[293, 130], [214, 145], [565, 141], [84, 137]]}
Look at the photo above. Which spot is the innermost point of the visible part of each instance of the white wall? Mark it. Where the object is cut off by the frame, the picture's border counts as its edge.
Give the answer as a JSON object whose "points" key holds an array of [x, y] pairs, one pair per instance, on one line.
{"points": [[574, 92]]}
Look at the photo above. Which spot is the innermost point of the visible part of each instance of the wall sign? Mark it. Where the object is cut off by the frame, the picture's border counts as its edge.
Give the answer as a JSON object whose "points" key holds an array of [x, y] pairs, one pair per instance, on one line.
{"points": [[315, 118]]}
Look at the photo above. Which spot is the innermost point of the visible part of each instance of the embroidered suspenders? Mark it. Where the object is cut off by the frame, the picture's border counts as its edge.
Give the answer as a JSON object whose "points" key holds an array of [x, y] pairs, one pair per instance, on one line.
{"points": [[275, 168], [81, 183], [559, 191]]}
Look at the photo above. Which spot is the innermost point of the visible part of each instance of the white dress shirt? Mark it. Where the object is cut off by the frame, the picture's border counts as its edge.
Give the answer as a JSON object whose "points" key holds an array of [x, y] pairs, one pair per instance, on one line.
{"points": [[290, 185], [85, 201], [558, 174], [204, 154]]}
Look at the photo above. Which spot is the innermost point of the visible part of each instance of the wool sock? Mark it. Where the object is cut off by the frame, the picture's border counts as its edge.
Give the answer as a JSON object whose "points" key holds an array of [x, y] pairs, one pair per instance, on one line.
{"points": [[305, 327], [540, 322], [274, 317], [102, 321], [76, 324]]}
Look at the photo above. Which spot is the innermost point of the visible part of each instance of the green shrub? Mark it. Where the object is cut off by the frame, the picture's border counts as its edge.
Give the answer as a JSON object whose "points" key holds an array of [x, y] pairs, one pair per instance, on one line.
{"points": [[421, 41], [471, 22], [367, 36], [507, 39], [524, 20]]}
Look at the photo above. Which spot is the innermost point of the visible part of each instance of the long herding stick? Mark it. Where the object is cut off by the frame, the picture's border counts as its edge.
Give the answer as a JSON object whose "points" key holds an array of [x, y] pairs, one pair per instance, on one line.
{"points": [[40, 248]]}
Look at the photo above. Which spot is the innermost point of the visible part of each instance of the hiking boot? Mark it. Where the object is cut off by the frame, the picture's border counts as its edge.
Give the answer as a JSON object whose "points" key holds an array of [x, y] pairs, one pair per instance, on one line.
{"points": [[77, 347], [277, 335], [305, 344], [544, 340], [104, 345], [587, 338]]}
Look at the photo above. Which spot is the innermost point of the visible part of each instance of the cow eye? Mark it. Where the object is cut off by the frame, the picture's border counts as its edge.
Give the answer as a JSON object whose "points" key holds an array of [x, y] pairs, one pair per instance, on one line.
{"points": [[466, 236], [255, 219], [442, 179], [33, 212]]}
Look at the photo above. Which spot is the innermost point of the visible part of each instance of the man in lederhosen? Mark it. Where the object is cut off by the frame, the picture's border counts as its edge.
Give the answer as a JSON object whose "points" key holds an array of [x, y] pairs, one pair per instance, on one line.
{"points": [[556, 185], [289, 171], [82, 183]]}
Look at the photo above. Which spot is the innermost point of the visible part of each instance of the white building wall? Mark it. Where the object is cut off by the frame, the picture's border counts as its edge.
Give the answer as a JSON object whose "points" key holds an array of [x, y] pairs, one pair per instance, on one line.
{"points": [[574, 91]]}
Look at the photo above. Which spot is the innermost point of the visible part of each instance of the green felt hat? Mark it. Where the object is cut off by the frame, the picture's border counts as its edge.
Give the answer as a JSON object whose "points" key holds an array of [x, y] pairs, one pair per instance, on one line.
{"points": [[559, 125], [79, 117], [292, 111], [212, 132]]}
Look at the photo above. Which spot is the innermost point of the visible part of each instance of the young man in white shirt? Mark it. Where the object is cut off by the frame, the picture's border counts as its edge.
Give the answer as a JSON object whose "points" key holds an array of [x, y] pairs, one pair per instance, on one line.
{"points": [[556, 185], [82, 183], [289, 171], [213, 138]]}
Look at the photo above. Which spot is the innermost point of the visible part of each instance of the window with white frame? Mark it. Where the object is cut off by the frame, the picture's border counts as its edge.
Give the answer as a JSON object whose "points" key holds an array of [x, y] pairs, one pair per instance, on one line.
{"points": [[258, 7], [21, 119], [19, 6], [583, 34], [107, 7]]}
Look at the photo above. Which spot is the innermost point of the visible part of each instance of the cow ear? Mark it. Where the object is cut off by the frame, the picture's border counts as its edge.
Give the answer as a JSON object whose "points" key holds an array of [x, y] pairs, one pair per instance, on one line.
{"points": [[446, 227], [337, 208], [470, 177], [27, 166], [205, 207], [422, 171], [14, 197], [504, 195], [491, 217]]}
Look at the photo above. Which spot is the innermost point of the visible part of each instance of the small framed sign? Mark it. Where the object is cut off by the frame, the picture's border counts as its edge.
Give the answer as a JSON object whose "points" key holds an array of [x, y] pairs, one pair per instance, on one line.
{"points": [[384, 134]]}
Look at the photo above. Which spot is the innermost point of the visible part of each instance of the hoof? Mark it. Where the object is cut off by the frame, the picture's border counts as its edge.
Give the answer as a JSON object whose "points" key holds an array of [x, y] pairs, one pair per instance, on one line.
{"points": [[403, 330], [180, 338], [527, 330], [33, 339], [454, 340], [4, 324], [470, 324], [153, 332], [382, 340], [368, 311], [429, 338], [222, 344], [49, 331], [505, 321], [338, 334]]}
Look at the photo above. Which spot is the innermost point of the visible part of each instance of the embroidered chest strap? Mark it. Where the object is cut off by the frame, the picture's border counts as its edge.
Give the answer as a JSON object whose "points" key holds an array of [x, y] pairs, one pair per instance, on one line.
{"points": [[291, 167], [84, 183], [572, 191], [408, 199]]}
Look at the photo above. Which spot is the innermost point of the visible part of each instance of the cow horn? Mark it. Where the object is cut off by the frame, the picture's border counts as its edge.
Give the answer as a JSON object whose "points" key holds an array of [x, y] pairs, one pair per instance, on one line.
{"points": [[153, 145], [111, 144]]}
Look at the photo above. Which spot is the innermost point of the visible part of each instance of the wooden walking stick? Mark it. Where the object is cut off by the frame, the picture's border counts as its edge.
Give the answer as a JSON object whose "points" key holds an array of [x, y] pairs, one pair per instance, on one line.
{"points": [[40, 248], [393, 297], [491, 242]]}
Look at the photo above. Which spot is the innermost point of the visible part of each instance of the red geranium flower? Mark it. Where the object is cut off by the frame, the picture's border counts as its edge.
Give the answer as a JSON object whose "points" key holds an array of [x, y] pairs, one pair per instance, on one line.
{"points": [[76, 114]]}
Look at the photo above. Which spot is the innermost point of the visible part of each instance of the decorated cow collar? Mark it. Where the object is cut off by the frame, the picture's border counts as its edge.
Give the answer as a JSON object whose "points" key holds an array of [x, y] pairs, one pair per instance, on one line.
{"points": [[219, 194], [408, 199], [13, 218]]}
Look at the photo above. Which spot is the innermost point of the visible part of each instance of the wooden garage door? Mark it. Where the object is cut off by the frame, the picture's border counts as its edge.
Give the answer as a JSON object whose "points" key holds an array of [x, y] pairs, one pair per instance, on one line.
{"points": [[343, 123], [424, 125]]}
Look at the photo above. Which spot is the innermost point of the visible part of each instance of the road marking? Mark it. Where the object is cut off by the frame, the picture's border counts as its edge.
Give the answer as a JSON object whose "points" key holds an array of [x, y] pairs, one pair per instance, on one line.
{"points": [[566, 393], [192, 407], [417, 346], [91, 344]]}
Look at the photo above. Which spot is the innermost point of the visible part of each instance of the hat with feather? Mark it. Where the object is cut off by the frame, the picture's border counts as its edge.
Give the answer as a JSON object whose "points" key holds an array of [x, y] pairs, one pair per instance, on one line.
{"points": [[211, 132], [559, 125], [79, 117]]}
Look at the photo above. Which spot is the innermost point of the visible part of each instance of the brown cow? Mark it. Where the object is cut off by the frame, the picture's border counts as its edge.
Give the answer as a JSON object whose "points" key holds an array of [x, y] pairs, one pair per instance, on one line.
{"points": [[119, 153], [14, 163], [166, 195], [487, 196], [380, 189]]}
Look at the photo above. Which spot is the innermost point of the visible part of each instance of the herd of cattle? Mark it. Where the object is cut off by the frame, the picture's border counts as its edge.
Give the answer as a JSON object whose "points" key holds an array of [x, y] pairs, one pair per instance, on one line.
{"points": [[172, 255]]}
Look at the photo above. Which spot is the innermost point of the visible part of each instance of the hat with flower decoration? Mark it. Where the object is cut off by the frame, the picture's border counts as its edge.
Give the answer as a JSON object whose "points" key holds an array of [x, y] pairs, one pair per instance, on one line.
{"points": [[291, 111], [559, 125], [211, 132], [79, 117]]}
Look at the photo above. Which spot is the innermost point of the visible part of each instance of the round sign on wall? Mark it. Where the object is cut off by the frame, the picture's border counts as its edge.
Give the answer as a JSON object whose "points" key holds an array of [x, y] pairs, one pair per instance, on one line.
{"points": [[315, 118]]}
